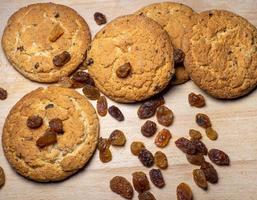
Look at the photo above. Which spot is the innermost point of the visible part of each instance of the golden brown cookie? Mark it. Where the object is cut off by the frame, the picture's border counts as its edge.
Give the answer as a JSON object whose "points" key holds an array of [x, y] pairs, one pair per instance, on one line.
{"points": [[177, 19], [222, 56], [35, 34], [132, 59], [74, 146]]}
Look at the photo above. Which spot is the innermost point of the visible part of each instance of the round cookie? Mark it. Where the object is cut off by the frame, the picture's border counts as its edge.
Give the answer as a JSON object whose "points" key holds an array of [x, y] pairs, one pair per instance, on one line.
{"points": [[142, 43], [222, 56], [73, 148], [35, 34], [177, 19]]}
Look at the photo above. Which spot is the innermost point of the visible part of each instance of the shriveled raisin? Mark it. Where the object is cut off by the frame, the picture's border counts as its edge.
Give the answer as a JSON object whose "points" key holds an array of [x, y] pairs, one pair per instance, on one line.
{"points": [[65, 82], [47, 139], [184, 192], [136, 147], [3, 94], [91, 92], [157, 178], [163, 137], [2, 177], [200, 179], [186, 146], [105, 155], [83, 77], [140, 182], [196, 100], [210, 172], [196, 159], [148, 108], [195, 135], [200, 147], [149, 128], [164, 116], [56, 125], [146, 158], [117, 138], [34, 121], [61, 59], [160, 159], [123, 71], [100, 18], [178, 55], [211, 133], [48, 106], [146, 196], [121, 186], [203, 120], [116, 113], [218, 157], [103, 144], [102, 106]]}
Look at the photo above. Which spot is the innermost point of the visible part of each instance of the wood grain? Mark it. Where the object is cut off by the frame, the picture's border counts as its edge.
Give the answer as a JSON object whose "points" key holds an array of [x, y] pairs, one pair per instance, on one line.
{"points": [[235, 121]]}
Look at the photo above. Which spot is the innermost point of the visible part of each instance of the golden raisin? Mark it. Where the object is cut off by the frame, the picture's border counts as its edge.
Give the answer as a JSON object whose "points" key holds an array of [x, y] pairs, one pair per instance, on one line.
{"points": [[146, 196], [47, 139], [140, 182], [160, 159], [164, 116], [200, 179], [91, 92], [211, 133], [105, 155], [196, 159], [121, 186], [117, 138], [102, 106], [195, 135], [184, 192], [163, 137], [136, 147], [103, 144], [196, 100]]}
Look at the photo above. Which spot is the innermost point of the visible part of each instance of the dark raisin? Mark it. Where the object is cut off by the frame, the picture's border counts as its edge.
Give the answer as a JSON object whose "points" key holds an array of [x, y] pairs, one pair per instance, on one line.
{"points": [[179, 56], [196, 159], [36, 66], [196, 100], [61, 59], [203, 120], [48, 106], [210, 172], [47, 139], [91, 92], [184, 192], [146, 158], [157, 178], [100, 18], [162, 138], [186, 146], [136, 147], [117, 138], [140, 182], [89, 61], [146, 196], [56, 125], [83, 77], [200, 147], [218, 157], [2, 177], [164, 116], [3, 94], [116, 113], [34, 121], [121, 186], [200, 179], [149, 128], [102, 106], [57, 15], [124, 70]]}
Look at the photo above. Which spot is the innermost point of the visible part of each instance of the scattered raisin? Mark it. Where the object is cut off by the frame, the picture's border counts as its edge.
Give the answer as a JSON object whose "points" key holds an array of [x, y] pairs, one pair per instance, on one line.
{"points": [[179, 56], [124, 70], [65, 82], [34, 121], [105, 156], [186, 146], [2, 177], [47, 139], [157, 178], [211, 133], [117, 138], [200, 147], [61, 59], [195, 135], [102, 106], [140, 182], [83, 77], [210, 172], [200, 179], [3, 94], [149, 128], [196, 159], [146, 158], [218, 157], [48, 106], [146, 196], [100, 18], [164, 116], [103, 144], [56, 125], [162, 138], [203, 120], [184, 192], [91, 92], [136, 147], [196, 100], [160, 159], [116, 113], [121, 186]]}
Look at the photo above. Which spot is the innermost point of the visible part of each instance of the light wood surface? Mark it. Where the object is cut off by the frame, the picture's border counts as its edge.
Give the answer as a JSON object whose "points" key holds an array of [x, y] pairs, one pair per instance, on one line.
{"points": [[235, 121]]}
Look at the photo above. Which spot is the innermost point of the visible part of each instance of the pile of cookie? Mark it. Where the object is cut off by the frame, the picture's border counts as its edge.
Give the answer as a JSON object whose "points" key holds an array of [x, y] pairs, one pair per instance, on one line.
{"points": [[133, 58]]}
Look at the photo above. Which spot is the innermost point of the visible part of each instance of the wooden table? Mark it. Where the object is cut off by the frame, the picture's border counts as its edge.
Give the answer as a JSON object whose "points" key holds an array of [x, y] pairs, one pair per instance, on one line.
{"points": [[235, 121]]}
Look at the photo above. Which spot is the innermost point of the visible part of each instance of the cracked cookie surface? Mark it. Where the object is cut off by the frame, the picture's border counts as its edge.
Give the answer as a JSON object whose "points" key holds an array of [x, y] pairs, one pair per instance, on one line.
{"points": [[137, 40], [30, 46], [222, 56], [73, 148]]}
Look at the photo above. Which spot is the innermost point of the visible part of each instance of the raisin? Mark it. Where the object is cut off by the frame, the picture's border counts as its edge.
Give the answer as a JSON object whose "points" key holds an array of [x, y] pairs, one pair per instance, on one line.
{"points": [[105, 156], [136, 147], [157, 178], [117, 138], [195, 135], [89, 61], [47, 139], [200, 147], [103, 144], [102, 106], [146, 158], [2, 177], [116, 113], [186, 146], [218, 157], [196, 100], [148, 108], [20, 48], [56, 125], [61, 59], [162, 138], [91, 92], [184, 192], [203, 120], [200, 179], [83, 77], [34, 121], [100, 18], [65, 82], [3, 94], [179, 56], [211, 133], [48, 106], [149, 128], [121, 186], [146, 196], [56, 33], [124, 70], [210, 172], [164, 116], [140, 182], [161, 160], [196, 159]]}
